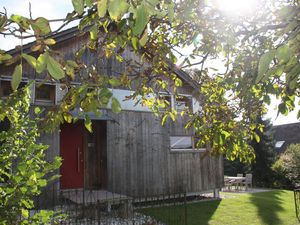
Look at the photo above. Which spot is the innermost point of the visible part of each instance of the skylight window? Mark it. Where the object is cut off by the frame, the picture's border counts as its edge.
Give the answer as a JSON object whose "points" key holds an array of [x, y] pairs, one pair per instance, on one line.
{"points": [[279, 144]]}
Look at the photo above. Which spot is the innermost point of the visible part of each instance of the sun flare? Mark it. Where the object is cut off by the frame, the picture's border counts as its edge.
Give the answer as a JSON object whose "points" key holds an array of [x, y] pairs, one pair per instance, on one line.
{"points": [[235, 7]]}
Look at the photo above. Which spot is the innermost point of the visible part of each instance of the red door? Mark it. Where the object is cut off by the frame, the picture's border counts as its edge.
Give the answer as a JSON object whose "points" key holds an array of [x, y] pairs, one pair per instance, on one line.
{"points": [[71, 151]]}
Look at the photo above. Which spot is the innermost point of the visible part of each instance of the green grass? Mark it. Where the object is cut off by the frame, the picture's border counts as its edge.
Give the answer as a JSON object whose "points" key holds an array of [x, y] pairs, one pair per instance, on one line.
{"points": [[269, 208]]}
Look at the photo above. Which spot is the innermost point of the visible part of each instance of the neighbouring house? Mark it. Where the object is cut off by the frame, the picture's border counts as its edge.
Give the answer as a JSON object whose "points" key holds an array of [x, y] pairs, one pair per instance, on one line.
{"points": [[129, 153], [285, 135]]}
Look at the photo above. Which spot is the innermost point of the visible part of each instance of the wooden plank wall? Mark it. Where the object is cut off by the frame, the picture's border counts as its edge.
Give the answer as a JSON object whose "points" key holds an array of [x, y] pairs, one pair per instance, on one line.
{"points": [[50, 193], [140, 162]]}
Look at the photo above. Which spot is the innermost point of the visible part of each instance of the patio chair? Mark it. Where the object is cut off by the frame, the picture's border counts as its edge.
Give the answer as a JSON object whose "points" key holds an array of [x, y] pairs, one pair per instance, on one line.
{"points": [[227, 183], [248, 181], [238, 184]]}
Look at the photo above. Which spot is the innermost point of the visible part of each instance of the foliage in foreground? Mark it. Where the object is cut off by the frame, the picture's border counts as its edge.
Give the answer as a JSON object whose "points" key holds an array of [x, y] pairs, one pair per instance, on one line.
{"points": [[265, 157], [287, 167], [23, 168], [272, 207], [260, 53]]}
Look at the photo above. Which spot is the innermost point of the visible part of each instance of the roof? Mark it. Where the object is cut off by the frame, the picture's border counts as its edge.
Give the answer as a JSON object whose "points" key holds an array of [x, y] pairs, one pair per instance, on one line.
{"points": [[74, 31], [285, 135], [59, 37]]}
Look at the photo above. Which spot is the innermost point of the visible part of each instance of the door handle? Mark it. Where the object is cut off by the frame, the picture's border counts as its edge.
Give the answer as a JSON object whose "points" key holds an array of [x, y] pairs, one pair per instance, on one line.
{"points": [[78, 159]]}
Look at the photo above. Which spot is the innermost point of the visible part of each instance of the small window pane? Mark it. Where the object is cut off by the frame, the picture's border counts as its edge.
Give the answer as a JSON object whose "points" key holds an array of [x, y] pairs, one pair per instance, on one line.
{"points": [[181, 142], [5, 87], [279, 144], [183, 102], [45, 93]]}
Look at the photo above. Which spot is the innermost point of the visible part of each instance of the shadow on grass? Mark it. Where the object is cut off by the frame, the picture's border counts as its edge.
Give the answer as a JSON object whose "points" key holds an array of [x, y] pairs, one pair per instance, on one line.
{"points": [[268, 205], [190, 214]]}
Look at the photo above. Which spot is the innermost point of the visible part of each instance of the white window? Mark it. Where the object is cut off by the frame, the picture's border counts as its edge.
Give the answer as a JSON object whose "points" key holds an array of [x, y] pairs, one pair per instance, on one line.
{"points": [[279, 144], [183, 102], [44, 94], [183, 143]]}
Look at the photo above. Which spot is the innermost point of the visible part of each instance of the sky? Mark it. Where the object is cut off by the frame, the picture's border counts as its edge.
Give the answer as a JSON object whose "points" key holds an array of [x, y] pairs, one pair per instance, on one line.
{"points": [[55, 9]]}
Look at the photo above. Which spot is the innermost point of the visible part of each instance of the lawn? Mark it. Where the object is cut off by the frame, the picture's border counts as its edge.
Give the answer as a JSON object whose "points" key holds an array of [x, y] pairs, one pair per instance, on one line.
{"points": [[269, 208]]}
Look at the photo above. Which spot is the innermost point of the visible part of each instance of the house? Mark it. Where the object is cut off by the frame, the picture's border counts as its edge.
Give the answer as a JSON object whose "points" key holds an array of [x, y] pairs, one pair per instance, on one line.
{"points": [[129, 153], [285, 135]]}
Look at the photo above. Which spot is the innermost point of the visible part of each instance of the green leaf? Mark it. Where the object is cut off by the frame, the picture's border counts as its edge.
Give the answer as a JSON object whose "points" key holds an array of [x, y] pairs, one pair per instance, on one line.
{"points": [[78, 6], [264, 63], [282, 109], [94, 33], [49, 41], [72, 63], [16, 77], [37, 110], [41, 62], [54, 68], [117, 8], [171, 11], [30, 59], [115, 82], [284, 53], [40, 26], [68, 117], [27, 204], [141, 20], [4, 57], [115, 105], [25, 213], [144, 38], [42, 182], [23, 22], [225, 133], [89, 3], [172, 116], [102, 8], [88, 123], [134, 42], [257, 138], [178, 82], [164, 119]]}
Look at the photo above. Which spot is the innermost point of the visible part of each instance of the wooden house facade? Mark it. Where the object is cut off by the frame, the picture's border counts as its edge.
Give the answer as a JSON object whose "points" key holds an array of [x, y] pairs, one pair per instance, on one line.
{"points": [[128, 153]]}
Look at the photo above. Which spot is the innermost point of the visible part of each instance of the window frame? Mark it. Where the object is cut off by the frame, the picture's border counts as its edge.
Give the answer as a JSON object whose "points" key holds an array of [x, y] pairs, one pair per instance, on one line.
{"points": [[190, 97], [185, 150], [52, 100], [7, 80]]}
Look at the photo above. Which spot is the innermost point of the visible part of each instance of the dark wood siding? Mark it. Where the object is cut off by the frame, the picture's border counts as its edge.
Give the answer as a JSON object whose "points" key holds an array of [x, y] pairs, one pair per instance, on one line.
{"points": [[140, 162]]}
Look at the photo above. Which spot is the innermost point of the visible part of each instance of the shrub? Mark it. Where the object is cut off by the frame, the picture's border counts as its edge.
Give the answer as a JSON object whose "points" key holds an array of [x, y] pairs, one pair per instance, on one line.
{"points": [[23, 168], [287, 167]]}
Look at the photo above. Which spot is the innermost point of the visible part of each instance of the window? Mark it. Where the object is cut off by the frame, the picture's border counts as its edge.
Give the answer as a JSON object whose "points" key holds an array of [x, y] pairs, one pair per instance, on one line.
{"points": [[45, 93], [184, 144], [183, 102], [166, 100], [279, 144], [181, 142], [6, 89]]}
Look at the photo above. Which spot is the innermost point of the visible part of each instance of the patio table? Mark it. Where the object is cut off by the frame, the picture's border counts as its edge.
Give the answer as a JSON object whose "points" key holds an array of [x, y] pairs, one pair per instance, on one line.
{"points": [[237, 181]]}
